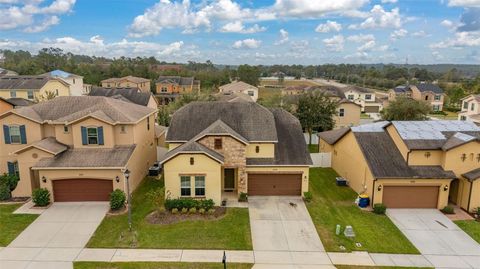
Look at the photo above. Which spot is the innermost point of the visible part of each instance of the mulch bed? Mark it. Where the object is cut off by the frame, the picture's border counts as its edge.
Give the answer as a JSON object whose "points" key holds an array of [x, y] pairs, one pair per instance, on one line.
{"points": [[167, 217], [117, 212], [15, 200]]}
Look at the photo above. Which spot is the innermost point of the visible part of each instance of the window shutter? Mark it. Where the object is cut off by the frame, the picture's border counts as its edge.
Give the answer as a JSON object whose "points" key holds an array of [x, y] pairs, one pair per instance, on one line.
{"points": [[6, 134], [100, 136], [11, 168], [23, 134], [84, 135]]}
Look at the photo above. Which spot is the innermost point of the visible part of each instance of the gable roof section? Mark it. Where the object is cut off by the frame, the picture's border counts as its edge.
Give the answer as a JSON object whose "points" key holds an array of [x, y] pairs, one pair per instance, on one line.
{"points": [[67, 109], [49, 144], [472, 175], [18, 102], [7, 101], [26, 82], [250, 120], [429, 87], [193, 147], [184, 81], [131, 94], [356, 89], [128, 78], [236, 86], [458, 139], [331, 137], [220, 128]]}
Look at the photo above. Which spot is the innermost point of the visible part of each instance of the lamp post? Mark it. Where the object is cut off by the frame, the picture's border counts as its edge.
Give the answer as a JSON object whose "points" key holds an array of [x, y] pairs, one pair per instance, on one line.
{"points": [[126, 173]]}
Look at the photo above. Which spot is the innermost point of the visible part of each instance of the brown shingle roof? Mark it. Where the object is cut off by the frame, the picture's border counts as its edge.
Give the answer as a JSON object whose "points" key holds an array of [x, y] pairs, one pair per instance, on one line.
{"points": [[236, 86], [331, 137], [49, 144], [116, 157], [192, 147], [187, 81], [131, 94], [472, 175], [129, 78], [25, 82]]}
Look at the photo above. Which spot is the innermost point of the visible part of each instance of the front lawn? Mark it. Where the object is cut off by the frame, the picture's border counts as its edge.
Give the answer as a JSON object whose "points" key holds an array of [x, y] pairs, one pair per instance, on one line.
{"points": [[156, 265], [11, 225], [231, 232], [471, 227], [334, 205], [313, 148]]}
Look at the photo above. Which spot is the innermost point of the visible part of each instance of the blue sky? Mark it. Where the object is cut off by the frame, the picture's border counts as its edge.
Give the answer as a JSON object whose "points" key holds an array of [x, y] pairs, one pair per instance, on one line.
{"points": [[254, 32]]}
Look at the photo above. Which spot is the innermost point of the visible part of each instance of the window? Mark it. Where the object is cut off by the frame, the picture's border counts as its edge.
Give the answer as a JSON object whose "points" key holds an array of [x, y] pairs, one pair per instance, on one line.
{"points": [[472, 107], [13, 168], [341, 112], [465, 105], [65, 129], [463, 118], [251, 93], [257, 149], [426, 98], [56, 92], [30, 94], [13, 94], [368, 96], [148, 123], [92, 136], [185, 189], [350, 97], [192, 161], [73, 81], [436, 108], [218, 143], [164, 89], [199, 186], [123, 129], [15, 137], [438, 97]]}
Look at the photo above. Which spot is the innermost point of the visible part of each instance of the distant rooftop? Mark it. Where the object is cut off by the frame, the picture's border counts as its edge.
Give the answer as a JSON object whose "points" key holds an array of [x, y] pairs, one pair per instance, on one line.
{"points": [[60, 74]]}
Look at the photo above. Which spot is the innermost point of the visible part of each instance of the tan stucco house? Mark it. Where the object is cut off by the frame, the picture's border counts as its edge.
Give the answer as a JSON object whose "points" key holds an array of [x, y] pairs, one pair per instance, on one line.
{"points": [[32, 87], [127, 82], [133, 95], [5, 105], [240, 87], [366, 98], [75, 82], [222, 149], [470, 109], [77, 147], [410, 164], [426, 92]]}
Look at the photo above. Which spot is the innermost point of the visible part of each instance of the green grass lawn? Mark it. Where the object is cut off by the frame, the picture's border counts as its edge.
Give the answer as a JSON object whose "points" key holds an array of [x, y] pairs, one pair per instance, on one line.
{"points": [[449, 116], [230, 232], [471, 227], [313, 148], [11, 225], [265, 93], [156, 265], [364, 116], [334, 205]]}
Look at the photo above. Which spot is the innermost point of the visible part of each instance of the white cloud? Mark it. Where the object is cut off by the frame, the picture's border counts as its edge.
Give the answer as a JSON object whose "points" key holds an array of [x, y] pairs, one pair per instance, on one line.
{"points": [[283, 37], [420, 33], [389, 1], [464, 3], [380, 18], [309, 8], [249, 43], [31, 16], [397, 34], [361, 38], [461, 40], [370, 45], [300, 45], [238, 27], [335, 43], [329, 26]]}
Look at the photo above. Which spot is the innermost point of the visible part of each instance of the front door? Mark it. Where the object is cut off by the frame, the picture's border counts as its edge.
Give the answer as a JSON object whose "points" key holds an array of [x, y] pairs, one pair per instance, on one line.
{"points": [[229, 179]]}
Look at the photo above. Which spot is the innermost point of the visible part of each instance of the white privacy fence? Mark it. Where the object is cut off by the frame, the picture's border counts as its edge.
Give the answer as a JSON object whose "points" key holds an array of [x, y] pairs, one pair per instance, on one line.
{"points": [[321, 159], [314, 138]]}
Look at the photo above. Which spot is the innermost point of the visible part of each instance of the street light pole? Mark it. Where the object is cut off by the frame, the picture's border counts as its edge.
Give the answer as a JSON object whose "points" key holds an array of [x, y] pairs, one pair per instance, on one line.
{"points": [[129, 203]]}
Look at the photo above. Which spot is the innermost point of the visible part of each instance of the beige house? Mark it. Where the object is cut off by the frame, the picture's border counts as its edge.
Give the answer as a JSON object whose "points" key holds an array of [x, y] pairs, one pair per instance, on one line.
{"points": [[218, 150], [5, 105], [77, 147], [127, 82], [32, 87], [427, 92], [132, 95], [240, 87], [75, 82], [470, 109], [409, 164], [348, 114], [366, 98]]}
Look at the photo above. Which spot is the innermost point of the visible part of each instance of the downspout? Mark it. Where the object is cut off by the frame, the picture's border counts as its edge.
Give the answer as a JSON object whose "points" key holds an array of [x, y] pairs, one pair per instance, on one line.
{"points": [[373, 191], [408, 156], [470, 196]]}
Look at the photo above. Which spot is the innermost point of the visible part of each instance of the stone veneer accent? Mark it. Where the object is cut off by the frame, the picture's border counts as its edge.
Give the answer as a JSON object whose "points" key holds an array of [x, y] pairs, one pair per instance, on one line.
{"points": [[234, 153]]}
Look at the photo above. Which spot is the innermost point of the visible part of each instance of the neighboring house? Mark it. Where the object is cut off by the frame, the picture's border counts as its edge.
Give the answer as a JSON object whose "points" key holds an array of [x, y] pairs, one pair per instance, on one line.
{"points": [[366, 98], [470, 108], [5, 105], [240, 87], [217, 149], [169, 88], [233, 97], [127, 82], [5, 72], [19, 102], [427, 92], [32, 87], [87, 88], [75, 81], [160, 133], [78, 146], [409, 164], [127, 94]]}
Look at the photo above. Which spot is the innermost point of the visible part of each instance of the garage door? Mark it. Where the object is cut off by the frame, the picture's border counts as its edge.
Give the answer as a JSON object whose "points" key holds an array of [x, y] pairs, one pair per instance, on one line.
{"points": [[274, 184], [371, 109], [75, 190], [410, 197]]}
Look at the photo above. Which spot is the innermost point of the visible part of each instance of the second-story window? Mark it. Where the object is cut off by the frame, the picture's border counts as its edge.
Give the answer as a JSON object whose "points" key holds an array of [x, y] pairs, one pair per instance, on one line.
{"points": [[437, 97], [123, 129], [465, 105], [426, 97], [15, 134], [341, 112], [30, 94], [15, 137], [257, 149], [350, 97], [368, 96], [217, 143], [148, 123], [251, 93], [472, 107], [92, 136], [13, 94], [65, 129]]}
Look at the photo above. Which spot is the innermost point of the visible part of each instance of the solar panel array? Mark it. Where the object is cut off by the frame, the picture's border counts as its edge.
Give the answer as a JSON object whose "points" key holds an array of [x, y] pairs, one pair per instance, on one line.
{"points": [[432, 130]]}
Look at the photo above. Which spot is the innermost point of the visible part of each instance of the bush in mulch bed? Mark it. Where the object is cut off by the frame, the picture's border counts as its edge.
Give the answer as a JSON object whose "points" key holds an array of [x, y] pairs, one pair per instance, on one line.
{"points": [[168, 217]]}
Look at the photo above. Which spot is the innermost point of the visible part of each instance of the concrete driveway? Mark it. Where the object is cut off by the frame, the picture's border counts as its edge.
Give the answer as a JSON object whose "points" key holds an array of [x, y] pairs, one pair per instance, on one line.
{"points": [[56, 237]]}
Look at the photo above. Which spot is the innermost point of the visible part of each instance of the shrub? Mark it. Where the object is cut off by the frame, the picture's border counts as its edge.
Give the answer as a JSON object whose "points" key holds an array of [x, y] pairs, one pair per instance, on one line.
{"points": [[206, 204], [10, 180], [41, 197], [174, 211], [201, 211], [192, 210], [4, 191], [117, 199], [307, 196], [184, 210], [379, 209], [448, 210], [189, 203], [211, 211], [243, 197]]}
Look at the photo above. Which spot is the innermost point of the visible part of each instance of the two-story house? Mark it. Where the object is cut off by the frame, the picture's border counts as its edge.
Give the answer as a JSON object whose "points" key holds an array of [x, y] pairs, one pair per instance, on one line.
{"points": [[221, 149], [11, 103], [127, 82], [127, 94], [32, 87], [74, 81], [399, 91], [240, 87], [169, 88], [409, 164], [426, 92], [470, 108], [77, 147], [366, 98]]}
